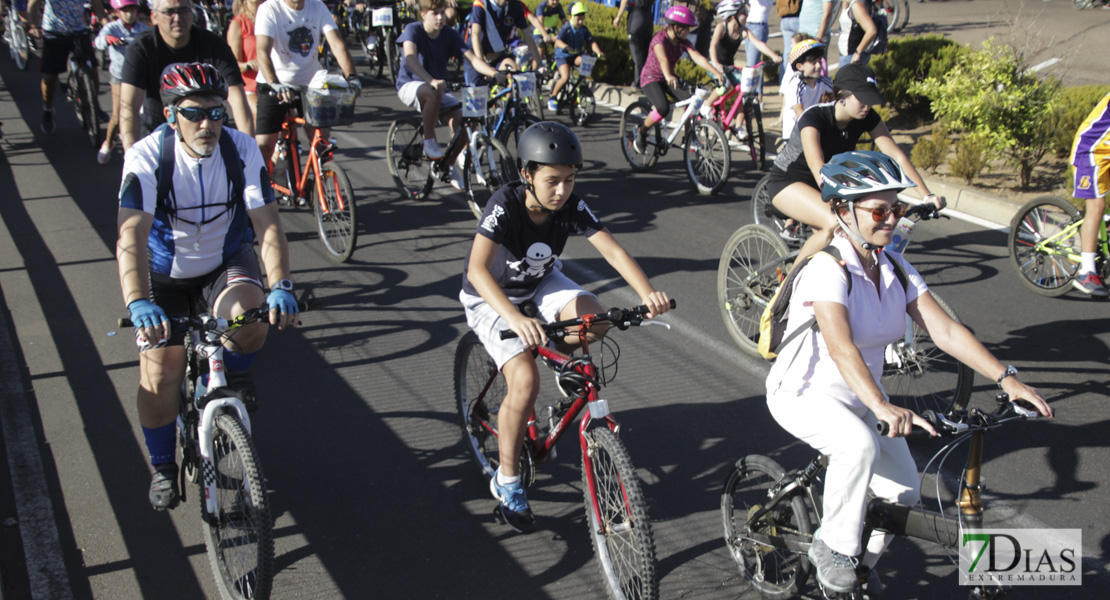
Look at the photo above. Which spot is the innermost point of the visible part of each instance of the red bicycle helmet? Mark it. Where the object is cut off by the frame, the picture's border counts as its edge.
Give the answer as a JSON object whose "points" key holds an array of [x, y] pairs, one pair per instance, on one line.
{"points": [[192, 79], [682, 16]]}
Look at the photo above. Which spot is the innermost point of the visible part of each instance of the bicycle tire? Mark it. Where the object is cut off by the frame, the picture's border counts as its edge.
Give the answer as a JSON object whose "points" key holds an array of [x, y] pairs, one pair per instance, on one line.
{"points": [[392, 59], [743, 292], [377, 58], [904, 15], [586, 106], [708, 157], [411, 170], [762, 209], [91, 108], [919, 376], [631, 119], [774, 572], [336, 213], [240, 537], [510, 134], [622, 538], [1049, 270], [1083, 4], [757, 143], [479, 390], [496, 166]]}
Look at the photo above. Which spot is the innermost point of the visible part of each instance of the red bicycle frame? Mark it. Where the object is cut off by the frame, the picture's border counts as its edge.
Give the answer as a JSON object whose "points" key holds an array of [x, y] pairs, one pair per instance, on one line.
{"points": [[289, 129]]}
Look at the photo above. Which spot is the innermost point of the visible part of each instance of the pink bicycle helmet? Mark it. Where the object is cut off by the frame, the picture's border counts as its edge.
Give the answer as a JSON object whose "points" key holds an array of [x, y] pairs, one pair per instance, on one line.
{"points": [[118, 4], [680, 15]]}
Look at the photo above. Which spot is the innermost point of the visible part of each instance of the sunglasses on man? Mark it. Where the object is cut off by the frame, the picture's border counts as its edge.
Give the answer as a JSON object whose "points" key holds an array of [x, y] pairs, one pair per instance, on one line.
{"points": [[196, 114]]}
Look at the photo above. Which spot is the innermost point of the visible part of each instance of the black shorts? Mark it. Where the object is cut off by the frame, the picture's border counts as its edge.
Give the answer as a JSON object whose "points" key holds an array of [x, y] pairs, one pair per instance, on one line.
{"points": [[778, 180], [56, 48], [659, 94], [198, 295], [271, 113]]}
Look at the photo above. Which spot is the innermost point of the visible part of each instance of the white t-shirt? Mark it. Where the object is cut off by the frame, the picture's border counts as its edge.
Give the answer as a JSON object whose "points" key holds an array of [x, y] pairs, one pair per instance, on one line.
{"points": [[795, 91], [759, 10], [804, 366], [296, 35]]}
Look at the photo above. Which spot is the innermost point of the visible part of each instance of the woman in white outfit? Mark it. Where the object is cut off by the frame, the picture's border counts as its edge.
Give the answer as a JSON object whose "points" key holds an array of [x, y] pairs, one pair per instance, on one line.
{"points": [[824, 387]]}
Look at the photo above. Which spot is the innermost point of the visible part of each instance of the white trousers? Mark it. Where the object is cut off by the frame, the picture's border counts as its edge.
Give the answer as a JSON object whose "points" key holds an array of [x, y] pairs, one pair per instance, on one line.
{"points": [[860, 462]]}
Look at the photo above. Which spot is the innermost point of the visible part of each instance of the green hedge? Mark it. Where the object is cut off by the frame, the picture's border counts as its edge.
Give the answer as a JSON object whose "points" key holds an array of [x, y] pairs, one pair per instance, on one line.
{"points": [[910, 60], [616, 69], [1075, 104]]}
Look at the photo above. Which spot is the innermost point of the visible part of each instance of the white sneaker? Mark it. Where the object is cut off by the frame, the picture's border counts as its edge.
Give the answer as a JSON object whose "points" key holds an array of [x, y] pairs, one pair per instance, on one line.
{"points": [[432, 149], [457, 179], [706, 110]]}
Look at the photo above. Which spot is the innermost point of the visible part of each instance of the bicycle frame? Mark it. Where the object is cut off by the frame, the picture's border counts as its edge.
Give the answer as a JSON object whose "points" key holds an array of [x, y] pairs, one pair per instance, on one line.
{"points": [[1052, 245], [289, 130], [726, 117], [692, 104]]}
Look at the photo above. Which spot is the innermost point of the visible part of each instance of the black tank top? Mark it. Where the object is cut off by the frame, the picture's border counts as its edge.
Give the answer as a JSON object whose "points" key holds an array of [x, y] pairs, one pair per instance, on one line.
{"points": [[726, 51]]}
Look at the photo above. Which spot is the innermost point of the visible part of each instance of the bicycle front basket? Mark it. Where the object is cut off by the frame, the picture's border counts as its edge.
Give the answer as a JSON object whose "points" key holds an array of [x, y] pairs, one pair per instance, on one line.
{"points": [[328, 108]]}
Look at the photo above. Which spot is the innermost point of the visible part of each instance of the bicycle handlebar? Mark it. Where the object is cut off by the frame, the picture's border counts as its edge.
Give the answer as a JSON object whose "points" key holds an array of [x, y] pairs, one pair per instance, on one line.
{"points": [[958, 422], [180, 323], [925, 211], [623, 318]]}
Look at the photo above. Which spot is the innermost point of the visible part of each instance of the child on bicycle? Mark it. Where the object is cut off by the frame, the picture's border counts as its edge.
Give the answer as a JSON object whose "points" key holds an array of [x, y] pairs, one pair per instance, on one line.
{"points": [[657, 79], [821, 133], [515, 259], [552, 18], [1090, 154], [427, 45], [569, 45], [114, 37], [729, 36], [804, 85], [825, 388]]}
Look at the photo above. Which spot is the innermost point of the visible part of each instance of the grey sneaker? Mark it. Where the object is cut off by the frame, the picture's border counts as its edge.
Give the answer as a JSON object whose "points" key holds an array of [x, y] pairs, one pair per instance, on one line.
{"points": [[835, 571]]}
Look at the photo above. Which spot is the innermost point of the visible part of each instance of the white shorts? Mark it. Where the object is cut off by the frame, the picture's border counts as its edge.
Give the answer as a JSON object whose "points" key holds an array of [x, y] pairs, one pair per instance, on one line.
{"points": [[553, 294], [407, 94]]}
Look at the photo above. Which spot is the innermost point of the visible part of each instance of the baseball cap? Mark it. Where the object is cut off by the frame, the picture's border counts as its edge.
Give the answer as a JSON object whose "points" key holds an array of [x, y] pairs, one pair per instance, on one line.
{"points": [[859, 79]]}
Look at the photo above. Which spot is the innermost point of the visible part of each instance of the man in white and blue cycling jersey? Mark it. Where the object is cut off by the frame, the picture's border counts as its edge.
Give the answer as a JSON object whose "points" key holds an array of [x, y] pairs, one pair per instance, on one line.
{"points": [[191, 193]]}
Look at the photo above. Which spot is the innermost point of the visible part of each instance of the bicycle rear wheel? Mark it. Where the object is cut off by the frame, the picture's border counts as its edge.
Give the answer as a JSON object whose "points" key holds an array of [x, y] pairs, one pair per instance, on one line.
{"points": [[762, 210], [392, 60], [1046, 267], [631, 120], [411, 170], [510, 134], [903, 14], [919, 376], [488, 168], [745, 284], [776, 572], [757, 143], [619, 525], [336, 213], [707, 157], [83, 96], [239, 537]]}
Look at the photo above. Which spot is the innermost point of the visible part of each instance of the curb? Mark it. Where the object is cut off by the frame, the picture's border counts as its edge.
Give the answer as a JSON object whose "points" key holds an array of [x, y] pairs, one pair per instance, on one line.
{"points": [[964, 203]]}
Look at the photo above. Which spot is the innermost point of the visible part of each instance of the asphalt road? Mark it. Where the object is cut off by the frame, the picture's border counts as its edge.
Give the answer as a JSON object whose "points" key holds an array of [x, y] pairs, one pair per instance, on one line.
{"points": [[372, 490]]}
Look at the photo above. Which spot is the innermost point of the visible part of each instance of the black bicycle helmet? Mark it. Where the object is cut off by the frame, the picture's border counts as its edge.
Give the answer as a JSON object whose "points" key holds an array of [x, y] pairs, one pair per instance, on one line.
{"points": [[192, 79], [851, 175], [549, 143]]}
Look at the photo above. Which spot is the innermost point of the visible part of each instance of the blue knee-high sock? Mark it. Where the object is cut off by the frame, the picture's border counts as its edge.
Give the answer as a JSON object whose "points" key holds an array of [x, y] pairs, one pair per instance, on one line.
{"points": [[161, 443], [235, 361]]}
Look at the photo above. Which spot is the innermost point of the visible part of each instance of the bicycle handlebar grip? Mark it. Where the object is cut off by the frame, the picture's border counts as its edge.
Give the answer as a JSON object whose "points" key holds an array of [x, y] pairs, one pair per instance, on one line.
{"points": [[124, 322], [507, 334], [642, 309]]}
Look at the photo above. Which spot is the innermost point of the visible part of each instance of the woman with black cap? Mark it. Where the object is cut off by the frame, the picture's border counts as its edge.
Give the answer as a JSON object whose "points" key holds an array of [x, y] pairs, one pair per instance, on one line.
{"points": [[823, 131]]}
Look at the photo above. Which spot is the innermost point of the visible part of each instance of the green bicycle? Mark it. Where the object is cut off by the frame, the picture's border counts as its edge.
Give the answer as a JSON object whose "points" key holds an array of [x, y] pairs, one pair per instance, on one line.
{"points": [[1044, 245]]}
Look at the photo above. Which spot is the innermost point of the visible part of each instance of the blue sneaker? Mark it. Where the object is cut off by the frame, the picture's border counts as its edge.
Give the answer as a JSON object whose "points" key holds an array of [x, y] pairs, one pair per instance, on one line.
{"points": [[1090, 284], [552, 106], [513, 509]]}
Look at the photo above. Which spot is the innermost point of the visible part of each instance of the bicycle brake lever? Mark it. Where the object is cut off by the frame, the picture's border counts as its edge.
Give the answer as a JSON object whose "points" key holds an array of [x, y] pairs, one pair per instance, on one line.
{"points": [[659, 323], [1024, 412]]}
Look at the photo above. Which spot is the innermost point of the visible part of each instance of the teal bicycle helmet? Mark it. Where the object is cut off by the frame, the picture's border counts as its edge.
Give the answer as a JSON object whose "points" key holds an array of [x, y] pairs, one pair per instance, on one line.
{"points": [[851, 175]]}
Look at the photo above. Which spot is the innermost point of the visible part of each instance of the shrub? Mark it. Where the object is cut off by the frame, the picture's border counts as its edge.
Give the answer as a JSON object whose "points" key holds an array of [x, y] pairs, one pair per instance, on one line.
{"points": [[990, 94], [911, 60], [972, 156], [1074, 106], [616, 69], [930, 152]]}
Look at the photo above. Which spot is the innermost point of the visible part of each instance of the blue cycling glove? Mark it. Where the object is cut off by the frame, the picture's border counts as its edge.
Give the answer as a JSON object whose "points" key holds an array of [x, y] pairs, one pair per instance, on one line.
{"points": [[145, 313], [282, 300]]}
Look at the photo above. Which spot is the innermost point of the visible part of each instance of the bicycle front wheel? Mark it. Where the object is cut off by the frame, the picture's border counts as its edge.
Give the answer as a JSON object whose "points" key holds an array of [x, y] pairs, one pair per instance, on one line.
{"points": [[411, 170], [707, 157], [745, 282], [616, 514], [1044, 245], [775, 571], [586, 106], [757, 143], [634, 116], [87, 106], [479, 390], [488, 168], [391, 57], [919, 376], [240, 536], [903, 14], [510, 134], [336, 213]]}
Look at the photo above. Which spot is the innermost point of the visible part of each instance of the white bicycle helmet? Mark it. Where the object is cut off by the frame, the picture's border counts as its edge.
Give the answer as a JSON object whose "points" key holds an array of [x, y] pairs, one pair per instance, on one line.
{"points": [[728, 8]]}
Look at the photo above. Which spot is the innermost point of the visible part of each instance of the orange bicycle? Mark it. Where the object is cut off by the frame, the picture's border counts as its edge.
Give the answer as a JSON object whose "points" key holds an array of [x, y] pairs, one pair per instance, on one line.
{"points": [[321, 180]]}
